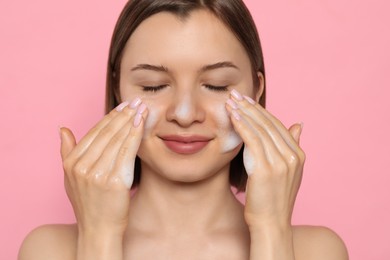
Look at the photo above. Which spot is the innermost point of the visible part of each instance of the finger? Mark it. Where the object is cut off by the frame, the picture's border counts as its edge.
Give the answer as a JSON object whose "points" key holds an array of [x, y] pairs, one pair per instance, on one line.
{"points": [[297, 155], [85, 158], [296, 130], [293, 142], [267, 130], [250, 131], [276, 122], [282, 129], [94, 131], [104, 164], [281, 136], [68, 142], [108, 158], [125, 159]]}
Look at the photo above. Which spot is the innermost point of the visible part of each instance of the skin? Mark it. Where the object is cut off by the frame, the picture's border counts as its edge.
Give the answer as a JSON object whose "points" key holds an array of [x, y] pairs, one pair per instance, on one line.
{"points": [[183, 208]]}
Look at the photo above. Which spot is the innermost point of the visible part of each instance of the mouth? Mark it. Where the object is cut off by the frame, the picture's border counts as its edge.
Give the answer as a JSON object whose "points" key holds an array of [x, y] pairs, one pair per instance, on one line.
{"points": [[185, 144]]}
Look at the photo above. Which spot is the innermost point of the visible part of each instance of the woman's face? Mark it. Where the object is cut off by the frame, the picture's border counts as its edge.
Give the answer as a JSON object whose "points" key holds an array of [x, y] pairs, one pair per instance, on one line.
{"points": [[184, 70]]}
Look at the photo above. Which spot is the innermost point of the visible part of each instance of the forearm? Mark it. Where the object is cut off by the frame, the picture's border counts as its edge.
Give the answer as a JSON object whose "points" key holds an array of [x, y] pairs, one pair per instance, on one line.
{"points": [[271, 244], [99, 247]]}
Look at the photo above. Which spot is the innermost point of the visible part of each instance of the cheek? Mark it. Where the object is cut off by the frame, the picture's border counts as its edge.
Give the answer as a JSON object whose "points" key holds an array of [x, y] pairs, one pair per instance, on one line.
{"points": [[154, 110], [229, 139], [154, 113]]}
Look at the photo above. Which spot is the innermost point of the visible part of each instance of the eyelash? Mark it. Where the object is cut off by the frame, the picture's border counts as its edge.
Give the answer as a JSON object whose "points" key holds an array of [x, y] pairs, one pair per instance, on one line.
{"points": [[153, 88], [160, 87], [217, 88]]}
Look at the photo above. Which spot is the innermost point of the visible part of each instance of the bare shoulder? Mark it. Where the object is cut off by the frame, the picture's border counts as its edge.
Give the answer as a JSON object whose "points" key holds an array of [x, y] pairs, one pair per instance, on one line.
{"points": [[317, 242], [50, 242]]}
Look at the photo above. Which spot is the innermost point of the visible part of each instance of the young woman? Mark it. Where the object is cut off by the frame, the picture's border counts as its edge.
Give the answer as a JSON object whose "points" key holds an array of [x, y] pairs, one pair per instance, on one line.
{"points": [[187, 80]]}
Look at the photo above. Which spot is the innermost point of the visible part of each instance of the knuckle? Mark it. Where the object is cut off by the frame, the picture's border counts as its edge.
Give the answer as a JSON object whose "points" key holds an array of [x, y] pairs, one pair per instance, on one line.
{"points": [[281, 167], [128, 111], [98, 177], [67, 165], [80, 169], [258, 133], [116, 139], [293, 159], [301, 155], [123, 151], [131, 136], [105, 131], [268, 124], [112, 113], [114, 181]]}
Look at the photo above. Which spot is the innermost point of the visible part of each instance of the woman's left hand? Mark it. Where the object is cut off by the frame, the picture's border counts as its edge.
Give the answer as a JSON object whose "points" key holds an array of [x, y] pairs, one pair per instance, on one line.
{"points": [[273, 160]]}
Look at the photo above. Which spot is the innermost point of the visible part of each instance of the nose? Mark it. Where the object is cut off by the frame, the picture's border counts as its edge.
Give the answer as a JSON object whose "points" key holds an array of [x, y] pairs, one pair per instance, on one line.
{"points": [[185, 109]]}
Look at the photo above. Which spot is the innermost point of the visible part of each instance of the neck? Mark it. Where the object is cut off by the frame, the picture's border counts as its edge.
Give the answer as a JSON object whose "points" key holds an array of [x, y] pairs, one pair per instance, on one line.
{"points": [[174, 207]]}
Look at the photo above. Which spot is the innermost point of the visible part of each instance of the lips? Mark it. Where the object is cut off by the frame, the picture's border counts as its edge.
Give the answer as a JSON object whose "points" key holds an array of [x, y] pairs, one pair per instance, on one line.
{"points": [[185, 144]]}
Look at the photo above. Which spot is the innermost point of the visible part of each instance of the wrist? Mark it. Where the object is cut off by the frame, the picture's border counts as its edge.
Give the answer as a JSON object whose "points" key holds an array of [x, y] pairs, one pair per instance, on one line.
{"points": [[271, 232], [271, 242], [99, 245], [256, 224]]}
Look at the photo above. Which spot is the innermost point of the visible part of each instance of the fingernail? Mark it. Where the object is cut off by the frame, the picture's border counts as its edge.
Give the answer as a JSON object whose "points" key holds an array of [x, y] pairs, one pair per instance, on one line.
{"points": [[236, 115], [250, 100], [232, 104], [237, 95], [298, 135], [137, 120], [135, 102], [302, 124], [141, 108], [138, 116], [121, 106]]}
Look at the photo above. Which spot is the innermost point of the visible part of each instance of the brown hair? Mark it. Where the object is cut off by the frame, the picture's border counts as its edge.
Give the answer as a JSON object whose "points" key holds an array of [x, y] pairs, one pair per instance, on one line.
{"points": [[233, 13]]}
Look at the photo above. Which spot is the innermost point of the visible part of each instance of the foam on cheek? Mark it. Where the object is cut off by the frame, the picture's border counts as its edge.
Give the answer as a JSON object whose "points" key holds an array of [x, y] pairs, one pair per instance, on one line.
{"points": [[230, 141], [127, 174], [249, 161], [151, 120], [229, 138]]}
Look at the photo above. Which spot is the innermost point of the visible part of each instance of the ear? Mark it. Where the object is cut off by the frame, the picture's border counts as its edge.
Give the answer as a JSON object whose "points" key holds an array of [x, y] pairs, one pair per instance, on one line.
{"points": [[260, 90]]}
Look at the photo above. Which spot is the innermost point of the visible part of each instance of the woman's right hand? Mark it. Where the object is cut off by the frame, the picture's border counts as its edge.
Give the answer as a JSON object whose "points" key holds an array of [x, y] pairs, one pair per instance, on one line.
{"points": [[99, 170]]}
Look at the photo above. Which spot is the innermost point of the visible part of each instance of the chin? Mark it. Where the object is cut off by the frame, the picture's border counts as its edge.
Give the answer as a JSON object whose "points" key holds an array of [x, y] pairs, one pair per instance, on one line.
{"points": [[182, 172], [188, 171], [198, 167]]}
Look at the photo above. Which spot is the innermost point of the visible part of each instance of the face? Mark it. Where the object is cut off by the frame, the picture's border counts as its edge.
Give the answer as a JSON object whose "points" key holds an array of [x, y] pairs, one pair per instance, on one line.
{"points": [[184, 70]]}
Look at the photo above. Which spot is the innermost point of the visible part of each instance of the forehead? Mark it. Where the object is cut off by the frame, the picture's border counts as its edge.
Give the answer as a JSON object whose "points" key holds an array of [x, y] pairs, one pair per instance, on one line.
{"points": [[201, 38]]}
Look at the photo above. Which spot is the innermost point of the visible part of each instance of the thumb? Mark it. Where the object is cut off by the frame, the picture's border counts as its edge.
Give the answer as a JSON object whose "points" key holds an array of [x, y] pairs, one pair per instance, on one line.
{"points": [[68, 141], [296, 130]]}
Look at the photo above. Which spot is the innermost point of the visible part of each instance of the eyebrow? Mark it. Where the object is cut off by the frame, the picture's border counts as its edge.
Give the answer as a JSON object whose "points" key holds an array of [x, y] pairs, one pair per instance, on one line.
{"points": [[150, 67], [160, 68], [219, 65]]}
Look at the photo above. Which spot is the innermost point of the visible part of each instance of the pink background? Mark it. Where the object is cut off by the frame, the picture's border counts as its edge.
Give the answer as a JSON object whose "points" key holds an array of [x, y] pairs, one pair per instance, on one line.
{"points": [[327, 63]]}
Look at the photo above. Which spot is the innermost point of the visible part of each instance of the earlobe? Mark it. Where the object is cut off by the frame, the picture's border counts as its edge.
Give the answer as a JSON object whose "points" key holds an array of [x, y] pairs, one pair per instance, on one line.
{"points": [[260, 90]]}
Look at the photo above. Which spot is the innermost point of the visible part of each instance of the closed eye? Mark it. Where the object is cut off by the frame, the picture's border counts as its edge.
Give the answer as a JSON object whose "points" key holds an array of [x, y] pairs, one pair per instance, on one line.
{"points": [[153, 88], [217, 88]]}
